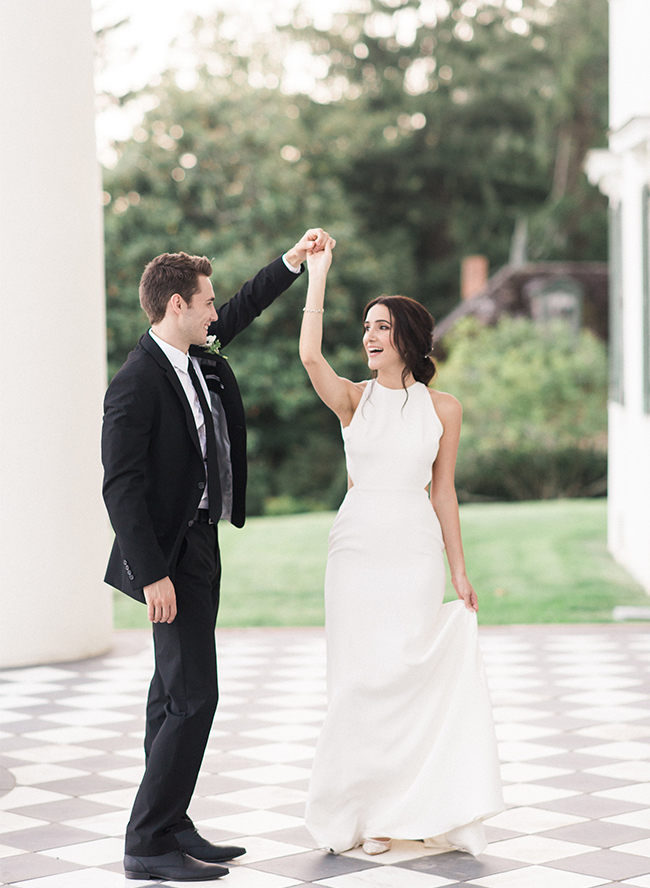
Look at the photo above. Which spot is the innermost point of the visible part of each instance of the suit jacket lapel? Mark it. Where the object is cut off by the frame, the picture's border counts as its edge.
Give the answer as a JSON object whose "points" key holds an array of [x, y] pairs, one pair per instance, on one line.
{"points": [[149, 345]]}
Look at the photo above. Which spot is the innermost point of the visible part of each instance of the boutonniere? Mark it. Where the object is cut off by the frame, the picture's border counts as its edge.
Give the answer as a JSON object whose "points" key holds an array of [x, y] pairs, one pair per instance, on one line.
{"points": [[213, 346]]}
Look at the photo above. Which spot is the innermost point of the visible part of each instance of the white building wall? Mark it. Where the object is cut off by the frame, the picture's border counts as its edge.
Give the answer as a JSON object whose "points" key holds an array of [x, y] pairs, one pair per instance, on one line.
{"points": [[629, 492], [53, 528], [622, 173], [629, 425]]}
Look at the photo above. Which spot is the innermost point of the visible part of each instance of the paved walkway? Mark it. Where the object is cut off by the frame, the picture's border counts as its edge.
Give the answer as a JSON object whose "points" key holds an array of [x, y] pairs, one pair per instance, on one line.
{"points": [[572, 705]]}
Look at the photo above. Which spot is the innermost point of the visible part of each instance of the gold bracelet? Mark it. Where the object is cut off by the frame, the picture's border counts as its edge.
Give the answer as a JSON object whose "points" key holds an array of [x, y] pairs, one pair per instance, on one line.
{"points": [[315, 310]]}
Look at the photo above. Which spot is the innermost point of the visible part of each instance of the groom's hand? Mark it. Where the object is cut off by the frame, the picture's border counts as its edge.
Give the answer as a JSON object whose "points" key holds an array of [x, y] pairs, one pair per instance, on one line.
{"points": [[161, 601], [312, 241]]}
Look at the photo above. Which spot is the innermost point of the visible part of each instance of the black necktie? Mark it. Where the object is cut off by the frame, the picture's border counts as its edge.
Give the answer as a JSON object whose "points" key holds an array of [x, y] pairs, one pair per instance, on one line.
{"points": [[214, 484]]}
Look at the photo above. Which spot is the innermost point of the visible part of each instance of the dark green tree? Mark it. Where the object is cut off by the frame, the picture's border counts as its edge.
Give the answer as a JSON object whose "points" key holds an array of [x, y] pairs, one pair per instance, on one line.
{"points": [[448, 130]]}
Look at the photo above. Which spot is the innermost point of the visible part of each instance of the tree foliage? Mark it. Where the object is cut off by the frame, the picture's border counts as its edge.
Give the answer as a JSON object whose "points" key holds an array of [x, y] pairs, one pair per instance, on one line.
{"points": [[463, 122], [527, 386], [428, 135]]}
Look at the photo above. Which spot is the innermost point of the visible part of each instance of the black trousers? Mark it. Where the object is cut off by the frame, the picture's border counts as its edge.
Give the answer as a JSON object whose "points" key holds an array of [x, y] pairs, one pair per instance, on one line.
{"points": [[182, 699]]}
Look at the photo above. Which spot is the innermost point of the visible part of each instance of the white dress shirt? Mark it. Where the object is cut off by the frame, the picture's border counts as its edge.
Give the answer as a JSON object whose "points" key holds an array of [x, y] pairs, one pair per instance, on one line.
{"points": [[289, 265], [178, 360]]}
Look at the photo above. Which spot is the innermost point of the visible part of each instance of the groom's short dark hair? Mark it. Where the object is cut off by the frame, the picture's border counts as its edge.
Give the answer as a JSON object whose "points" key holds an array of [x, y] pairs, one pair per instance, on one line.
{"points": [[167, 274]]}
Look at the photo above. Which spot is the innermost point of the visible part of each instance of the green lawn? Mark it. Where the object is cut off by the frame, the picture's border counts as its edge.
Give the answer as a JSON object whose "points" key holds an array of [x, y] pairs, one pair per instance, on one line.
{"points": [[538, 562]]}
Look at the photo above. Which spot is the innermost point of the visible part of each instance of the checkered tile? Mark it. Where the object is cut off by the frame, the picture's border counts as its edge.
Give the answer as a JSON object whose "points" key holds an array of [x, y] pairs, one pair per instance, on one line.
{"points": [[572, 707]]}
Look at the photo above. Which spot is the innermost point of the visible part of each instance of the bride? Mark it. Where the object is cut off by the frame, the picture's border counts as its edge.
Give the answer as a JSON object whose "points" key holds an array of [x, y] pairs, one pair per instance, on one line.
{"points": [[407, 749]]}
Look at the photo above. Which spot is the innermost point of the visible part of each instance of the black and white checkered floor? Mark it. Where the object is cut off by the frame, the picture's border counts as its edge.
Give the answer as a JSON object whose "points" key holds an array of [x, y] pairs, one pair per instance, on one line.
{"points": [[572, 705]]}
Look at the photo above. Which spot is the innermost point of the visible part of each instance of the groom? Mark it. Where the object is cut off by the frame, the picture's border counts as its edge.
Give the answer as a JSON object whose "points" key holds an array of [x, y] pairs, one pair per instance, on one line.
{"points": [[174, 454]]}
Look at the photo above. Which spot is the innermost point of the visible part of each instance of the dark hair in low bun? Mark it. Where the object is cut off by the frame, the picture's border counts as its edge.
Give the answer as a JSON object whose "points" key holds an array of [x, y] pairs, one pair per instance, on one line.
{"points": [[412, 335]]}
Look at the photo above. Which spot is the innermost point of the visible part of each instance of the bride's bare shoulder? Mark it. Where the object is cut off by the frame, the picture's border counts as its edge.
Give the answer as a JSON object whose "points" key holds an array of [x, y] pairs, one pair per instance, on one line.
{"points": [[447, 406]]}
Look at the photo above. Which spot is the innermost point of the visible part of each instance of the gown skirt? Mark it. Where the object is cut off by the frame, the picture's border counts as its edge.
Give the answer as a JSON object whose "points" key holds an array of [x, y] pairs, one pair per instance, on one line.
{"points": [[407, 748]]}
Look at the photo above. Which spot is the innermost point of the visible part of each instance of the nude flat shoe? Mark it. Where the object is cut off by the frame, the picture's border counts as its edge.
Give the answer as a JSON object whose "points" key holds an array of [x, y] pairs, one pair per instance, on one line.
{"points": [[376, 846]]}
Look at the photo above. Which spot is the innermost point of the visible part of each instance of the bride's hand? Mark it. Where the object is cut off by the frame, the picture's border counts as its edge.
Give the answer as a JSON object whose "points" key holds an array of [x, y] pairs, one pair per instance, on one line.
{"points": [[466, 593], [319, 263]]}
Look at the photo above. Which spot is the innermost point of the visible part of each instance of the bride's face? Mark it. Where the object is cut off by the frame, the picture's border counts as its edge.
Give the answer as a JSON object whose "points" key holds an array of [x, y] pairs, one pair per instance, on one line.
{"points": [[378, 339]]}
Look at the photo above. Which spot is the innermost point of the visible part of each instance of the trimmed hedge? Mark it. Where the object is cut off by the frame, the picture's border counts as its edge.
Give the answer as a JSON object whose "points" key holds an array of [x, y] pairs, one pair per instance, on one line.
{"points": [[534, 410], [532, 475]]}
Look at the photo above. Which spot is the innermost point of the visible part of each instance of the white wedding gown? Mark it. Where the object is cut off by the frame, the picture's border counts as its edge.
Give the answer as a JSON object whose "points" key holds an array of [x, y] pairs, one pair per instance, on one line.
{"points": [[407, 748]]}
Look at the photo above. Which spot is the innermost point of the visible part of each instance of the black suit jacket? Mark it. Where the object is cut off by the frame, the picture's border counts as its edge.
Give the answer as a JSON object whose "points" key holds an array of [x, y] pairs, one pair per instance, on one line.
{"points": [[153, 467]]}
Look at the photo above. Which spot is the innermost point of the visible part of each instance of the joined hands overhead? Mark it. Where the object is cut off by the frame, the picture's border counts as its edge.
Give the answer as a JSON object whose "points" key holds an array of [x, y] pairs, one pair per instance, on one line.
{"points": [[319, 261], [314, 240]]}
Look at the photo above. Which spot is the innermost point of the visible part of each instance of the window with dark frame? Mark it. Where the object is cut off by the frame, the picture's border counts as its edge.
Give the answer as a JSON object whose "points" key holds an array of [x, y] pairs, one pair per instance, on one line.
{"points": [[616, 391]]}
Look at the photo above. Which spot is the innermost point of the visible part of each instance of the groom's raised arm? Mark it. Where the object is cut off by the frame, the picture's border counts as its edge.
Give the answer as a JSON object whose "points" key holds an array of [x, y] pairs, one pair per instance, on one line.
{"points": [[269, 283]]}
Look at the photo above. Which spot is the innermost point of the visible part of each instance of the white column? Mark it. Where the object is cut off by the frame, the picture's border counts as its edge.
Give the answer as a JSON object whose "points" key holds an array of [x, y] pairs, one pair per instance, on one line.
{"points": [[629, 68], [53, 529]]}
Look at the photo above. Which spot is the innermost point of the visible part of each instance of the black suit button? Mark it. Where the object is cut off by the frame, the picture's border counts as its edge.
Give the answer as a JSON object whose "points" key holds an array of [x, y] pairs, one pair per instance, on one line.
{"points": [[201, 485], [190, 523]]}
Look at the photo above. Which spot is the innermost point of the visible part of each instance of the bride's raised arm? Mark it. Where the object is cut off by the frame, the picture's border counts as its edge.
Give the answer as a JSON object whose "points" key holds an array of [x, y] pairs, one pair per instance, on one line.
{"points": [[340, 395]]}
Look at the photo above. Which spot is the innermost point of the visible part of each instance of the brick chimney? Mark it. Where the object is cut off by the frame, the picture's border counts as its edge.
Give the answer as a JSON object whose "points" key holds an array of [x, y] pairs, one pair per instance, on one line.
{"points": [[473, 276]]}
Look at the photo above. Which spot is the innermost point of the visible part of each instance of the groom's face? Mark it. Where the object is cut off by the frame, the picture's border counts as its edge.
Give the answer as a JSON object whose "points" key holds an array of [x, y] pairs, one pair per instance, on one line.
{"points": [[196, 317]]}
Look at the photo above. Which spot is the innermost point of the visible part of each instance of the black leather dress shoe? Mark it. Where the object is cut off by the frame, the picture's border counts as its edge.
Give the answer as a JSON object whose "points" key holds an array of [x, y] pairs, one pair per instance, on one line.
{"points": [[176, 866], [198, 847]]}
